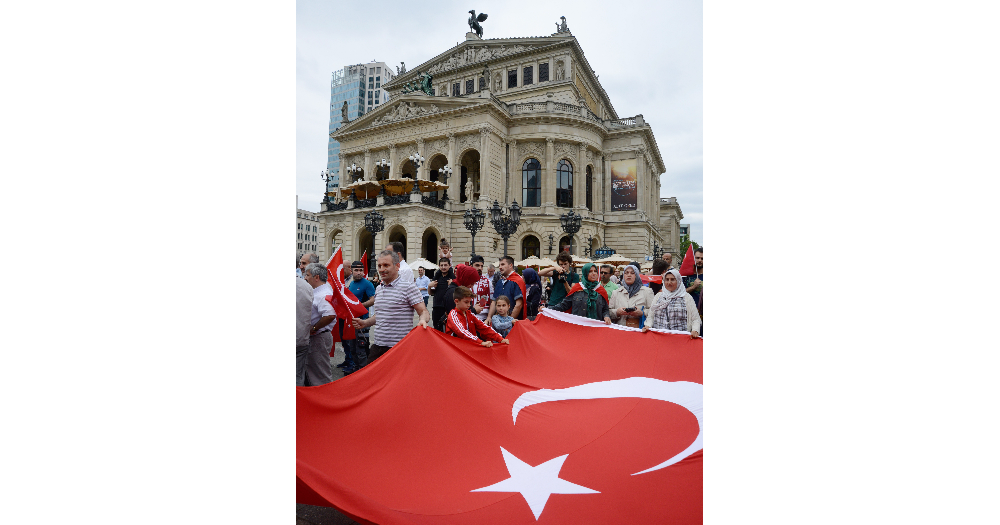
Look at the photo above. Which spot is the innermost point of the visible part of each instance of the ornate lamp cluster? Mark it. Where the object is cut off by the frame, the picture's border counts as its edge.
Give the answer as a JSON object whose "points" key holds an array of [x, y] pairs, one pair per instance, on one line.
{"points": [[473, 220], [417, 160], [354, 170], [327, 177], [505, 224], [571, 223]]}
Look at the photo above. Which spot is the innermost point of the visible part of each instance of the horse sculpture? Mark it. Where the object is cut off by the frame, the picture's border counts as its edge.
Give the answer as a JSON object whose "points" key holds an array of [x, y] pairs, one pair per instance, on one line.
{"points": [[474, 22]]}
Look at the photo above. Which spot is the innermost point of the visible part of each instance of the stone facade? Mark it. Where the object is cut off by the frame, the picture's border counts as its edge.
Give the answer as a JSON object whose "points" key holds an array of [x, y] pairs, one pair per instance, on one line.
{"points": [[498, 104]]}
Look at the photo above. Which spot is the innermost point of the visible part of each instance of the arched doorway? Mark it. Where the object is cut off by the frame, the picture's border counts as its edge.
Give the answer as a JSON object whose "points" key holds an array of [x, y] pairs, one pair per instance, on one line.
{"points": [[564, 243], [430, 245], [530, 246], [366, 243], [470, 176], [397, 234], [437, 162]]}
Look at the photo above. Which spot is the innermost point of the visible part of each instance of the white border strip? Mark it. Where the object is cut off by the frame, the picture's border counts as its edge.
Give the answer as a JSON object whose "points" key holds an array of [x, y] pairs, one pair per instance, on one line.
{"points": [[567, 317]]}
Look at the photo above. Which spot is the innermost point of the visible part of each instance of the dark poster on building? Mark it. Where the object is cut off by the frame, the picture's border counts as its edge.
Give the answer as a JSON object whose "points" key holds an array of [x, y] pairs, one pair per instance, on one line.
{"points": [[624, 191]]}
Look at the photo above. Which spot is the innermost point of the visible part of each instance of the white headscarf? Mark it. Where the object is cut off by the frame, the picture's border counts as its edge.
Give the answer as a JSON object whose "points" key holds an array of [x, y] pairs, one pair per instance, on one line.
{"points": [[665, 295]]}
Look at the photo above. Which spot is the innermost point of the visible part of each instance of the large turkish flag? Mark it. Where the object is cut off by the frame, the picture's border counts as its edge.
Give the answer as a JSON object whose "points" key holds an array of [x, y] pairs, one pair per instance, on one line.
{"points": [[573, 422]]}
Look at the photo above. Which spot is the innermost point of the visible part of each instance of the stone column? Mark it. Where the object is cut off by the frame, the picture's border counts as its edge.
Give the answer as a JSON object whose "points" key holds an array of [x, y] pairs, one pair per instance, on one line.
{"points": [[422, 173], [598, 184], [606, 184], [342, 174], [454, 188], [514, 175], [393, 168], [580, 179], [368, 165], [549, 175], [484, 164]]}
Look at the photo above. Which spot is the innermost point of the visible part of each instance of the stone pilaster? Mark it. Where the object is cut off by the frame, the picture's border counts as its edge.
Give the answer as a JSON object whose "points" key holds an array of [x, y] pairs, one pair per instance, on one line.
{"points": [[514, 175], [484, 164], [393, 168], [343, 173], [368, 165], [580, 179], [549, 175], [454, 188], [422, 173]]}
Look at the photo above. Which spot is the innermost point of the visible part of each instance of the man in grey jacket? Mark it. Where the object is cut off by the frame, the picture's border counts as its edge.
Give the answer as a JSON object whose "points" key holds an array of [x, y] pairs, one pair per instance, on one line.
{"points": [[303, 310]]}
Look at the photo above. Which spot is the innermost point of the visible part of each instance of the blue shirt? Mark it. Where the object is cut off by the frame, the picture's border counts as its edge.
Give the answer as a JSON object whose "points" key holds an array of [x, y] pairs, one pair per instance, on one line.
{"points": [[422, 284], [362, 289], [508, 288]]}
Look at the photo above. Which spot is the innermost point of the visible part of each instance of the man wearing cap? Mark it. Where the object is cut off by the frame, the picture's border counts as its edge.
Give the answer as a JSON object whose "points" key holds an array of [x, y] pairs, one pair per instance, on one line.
{"points": [[356, 348]]}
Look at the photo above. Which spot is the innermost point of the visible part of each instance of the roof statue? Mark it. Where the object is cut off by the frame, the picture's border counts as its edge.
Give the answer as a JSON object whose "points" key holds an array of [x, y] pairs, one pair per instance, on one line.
{"points": [[420, 84], [562, 28], [474, 22], [401, 71], [343, 113]]}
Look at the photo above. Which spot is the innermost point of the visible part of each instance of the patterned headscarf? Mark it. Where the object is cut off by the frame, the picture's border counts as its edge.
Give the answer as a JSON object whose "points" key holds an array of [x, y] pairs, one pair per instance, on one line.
{"points": [[665, 295], [590, 287], [636, 285]]}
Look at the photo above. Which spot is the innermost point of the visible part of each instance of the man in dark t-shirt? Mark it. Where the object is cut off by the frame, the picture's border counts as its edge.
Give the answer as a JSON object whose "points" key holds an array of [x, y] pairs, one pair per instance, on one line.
{"points": [[439, 286]]}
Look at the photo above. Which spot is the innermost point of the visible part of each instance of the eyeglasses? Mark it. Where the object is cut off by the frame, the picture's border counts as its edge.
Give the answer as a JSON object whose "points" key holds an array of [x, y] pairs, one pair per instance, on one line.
{"points": [[605, 273]]}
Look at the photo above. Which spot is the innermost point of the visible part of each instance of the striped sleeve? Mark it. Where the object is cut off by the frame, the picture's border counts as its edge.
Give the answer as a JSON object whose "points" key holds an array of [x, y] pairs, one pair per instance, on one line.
{"points": [[486, 331], [456, 327]]}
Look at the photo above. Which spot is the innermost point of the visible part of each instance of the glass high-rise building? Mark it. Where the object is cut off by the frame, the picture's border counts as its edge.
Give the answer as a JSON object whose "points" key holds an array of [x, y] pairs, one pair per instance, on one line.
{"points": [[360, 85]]}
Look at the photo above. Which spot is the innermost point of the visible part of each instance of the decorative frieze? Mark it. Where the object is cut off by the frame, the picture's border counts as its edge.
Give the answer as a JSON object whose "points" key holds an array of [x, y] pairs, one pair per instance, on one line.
{"points": [[473, 54], [405, 110]]}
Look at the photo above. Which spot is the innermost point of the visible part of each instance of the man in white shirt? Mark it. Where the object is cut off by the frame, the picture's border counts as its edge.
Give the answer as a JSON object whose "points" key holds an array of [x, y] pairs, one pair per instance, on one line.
{"points": [[423, 282], [319, 371], [404, 269]]}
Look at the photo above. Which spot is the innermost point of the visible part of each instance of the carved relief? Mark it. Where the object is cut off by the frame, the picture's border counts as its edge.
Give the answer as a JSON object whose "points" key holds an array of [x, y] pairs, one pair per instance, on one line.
{"points": [[564, 149], [530, 149], [466, 142], [471, 55], [405, 110]]}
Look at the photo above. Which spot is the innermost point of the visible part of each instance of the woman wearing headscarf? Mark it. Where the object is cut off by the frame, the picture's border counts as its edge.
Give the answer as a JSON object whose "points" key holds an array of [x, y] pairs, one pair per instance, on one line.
{"points": [[534, 291], [632, 300], [587, 298], [673, 308]]}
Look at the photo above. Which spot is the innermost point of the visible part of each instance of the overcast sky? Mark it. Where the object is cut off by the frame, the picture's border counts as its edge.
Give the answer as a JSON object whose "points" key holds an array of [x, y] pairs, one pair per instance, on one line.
{"points": [[648, 57]]}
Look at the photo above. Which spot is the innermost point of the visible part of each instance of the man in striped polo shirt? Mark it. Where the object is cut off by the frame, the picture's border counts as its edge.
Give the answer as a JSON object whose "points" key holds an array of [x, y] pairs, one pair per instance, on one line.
{"points": [[395, 301]]}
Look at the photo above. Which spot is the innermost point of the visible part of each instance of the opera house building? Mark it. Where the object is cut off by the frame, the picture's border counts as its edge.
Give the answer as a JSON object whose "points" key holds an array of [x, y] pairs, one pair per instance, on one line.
{"points": [[500, 121]]}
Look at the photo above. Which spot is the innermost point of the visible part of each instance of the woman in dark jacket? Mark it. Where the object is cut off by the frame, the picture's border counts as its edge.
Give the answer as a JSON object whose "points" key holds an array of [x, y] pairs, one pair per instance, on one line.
{"points": [[534, 291], [587, 298]]}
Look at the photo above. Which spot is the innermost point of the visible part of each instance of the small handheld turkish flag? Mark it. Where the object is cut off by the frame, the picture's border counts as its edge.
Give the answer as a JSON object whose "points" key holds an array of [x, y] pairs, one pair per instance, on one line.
{"points": [[687, 267], [544, 430], [344, 303]]}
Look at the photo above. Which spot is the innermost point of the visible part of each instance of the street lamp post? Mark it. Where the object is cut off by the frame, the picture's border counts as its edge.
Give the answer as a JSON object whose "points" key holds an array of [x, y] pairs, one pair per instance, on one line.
{"points": [[473, 220], [571, 223], [503, 223], [444, 173], [586, 251], [374, 223], [657, 251], [327, 178]]}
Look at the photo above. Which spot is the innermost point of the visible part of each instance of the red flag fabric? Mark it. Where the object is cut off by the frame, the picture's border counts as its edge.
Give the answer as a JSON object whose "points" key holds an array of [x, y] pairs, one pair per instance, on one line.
{"points": [[687, 266], [577, 287], [646, 279], [344, 303], [545, 430], [364, 261], [514, 276]]}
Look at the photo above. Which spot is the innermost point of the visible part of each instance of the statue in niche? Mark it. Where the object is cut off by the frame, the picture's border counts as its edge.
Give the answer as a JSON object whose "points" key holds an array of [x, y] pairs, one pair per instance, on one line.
{"points": [[560, 70], [498, 83]]}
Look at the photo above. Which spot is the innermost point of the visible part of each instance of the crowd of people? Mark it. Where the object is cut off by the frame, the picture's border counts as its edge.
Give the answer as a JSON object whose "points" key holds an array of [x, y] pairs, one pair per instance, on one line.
{"points": [[479, 302]]}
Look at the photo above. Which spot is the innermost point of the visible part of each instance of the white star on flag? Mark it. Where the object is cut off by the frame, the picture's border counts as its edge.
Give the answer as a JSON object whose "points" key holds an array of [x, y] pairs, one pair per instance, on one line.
{"points": [[535, 484]]}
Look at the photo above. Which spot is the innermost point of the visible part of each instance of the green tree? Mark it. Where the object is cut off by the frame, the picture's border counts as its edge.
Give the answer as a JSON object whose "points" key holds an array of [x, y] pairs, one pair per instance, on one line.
{"points": [[685, 242]]}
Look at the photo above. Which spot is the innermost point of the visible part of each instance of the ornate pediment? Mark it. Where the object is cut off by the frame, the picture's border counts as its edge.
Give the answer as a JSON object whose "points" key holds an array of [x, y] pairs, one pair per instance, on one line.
{"points": [[405, 109], [476, 53]]}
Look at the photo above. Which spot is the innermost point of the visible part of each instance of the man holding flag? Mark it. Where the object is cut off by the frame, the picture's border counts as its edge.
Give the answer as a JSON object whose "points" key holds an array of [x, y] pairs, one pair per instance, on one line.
{"points": [[694, 272], [355, 349], [347, 307]]}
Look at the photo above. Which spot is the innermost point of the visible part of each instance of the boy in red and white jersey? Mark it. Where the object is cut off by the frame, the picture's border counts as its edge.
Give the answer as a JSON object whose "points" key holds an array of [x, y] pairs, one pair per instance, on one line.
{"points": [[462, 323]]}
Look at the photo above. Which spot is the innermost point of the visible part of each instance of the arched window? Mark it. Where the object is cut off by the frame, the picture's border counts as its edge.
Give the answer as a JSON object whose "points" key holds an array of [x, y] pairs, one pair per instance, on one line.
{"points": [[531, 180], [530, 246], [564, 188], [590, 188], [564, 243]]}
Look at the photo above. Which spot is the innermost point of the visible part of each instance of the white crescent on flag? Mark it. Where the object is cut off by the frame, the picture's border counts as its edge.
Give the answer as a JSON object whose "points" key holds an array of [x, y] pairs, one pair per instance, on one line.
{"points": [[683, 393]]}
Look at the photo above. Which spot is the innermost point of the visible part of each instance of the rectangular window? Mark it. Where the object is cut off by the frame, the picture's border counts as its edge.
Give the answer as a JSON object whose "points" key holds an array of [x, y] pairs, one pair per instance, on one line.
{"points": [[314, 228], [454, 89], [482, 83], [378, 70], [543, 72], [378, 81], [512, 78], [300, 245], [469, 86], [529, 75]]}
